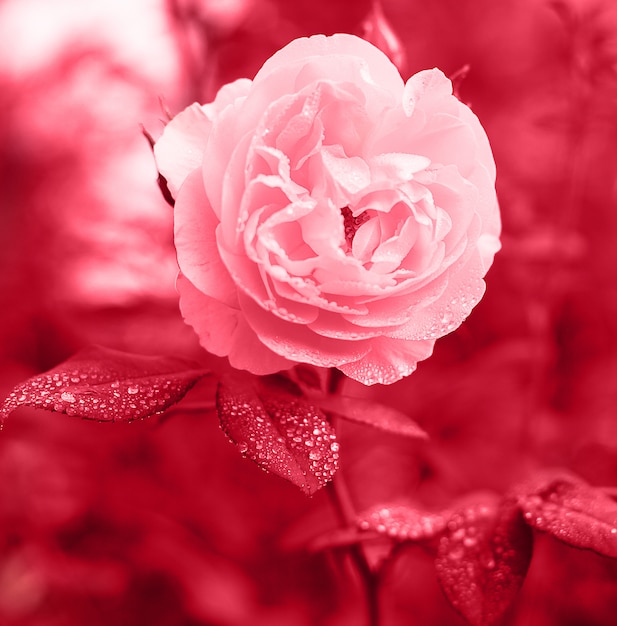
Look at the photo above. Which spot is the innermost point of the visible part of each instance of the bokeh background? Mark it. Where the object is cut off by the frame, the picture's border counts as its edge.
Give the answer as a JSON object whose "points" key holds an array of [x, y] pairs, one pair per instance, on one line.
{"points": [[162, 523]]}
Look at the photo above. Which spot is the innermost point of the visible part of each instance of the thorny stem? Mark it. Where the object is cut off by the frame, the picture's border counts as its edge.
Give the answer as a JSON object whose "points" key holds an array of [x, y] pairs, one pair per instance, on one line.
{"points": [[343, 505], [369, 579], [371, 586]]}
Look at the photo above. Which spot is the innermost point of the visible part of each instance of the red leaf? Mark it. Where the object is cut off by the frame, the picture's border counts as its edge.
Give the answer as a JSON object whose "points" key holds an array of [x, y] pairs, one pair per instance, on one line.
{"points": [[371, 414], [106, 385], [575, 513], [483, 558], [402, 522], [279, 431]]}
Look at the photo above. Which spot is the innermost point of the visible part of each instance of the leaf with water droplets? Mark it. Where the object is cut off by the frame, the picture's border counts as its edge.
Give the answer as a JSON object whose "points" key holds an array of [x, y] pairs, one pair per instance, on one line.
{"points": [[483, 558], [280, 431], [371, 414], [575, 513], [402, 522], [107, 385]]}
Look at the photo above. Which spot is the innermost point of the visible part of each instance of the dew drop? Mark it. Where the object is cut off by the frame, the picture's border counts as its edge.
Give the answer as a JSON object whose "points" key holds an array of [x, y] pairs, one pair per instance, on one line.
{"points": [[456, 554], [446, 318]]}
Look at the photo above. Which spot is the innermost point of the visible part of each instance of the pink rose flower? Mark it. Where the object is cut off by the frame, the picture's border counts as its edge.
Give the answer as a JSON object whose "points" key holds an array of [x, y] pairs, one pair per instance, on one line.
{"points": [[329, 213]]}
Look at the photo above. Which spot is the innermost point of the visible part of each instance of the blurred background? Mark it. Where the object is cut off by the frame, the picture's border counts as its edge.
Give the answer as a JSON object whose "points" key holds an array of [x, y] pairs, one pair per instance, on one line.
{"points": [[162, 522]]}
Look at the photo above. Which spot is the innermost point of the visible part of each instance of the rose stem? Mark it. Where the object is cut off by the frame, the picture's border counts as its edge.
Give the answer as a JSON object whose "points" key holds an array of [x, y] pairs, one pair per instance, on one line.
{"points": [[369, 580], [341, 499]]}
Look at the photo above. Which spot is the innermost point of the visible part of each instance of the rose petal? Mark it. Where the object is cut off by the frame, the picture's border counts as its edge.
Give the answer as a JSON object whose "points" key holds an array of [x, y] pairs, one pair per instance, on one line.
{"points": [[224, 141], [429, 88], [389, 360], [488, 210], [180, 150], [447, 140], [394, 310], [394, 132], [366, 240], [389, 255], [227, 95], [195, 239], [398, 165], [375, 81], [331, 324], [299, 125], [447, 313], [352, 174], [458, 198], [306, 291], [376, 67], [484, 152], [297, 342], [223, 331]]}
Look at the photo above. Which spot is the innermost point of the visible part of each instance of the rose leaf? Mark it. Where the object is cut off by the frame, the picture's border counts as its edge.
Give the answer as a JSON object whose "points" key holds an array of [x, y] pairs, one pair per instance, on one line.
{"points": [[483, 559], [402, 522], [371, 414], [281, 432], [575, 513], [107, 385]]}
